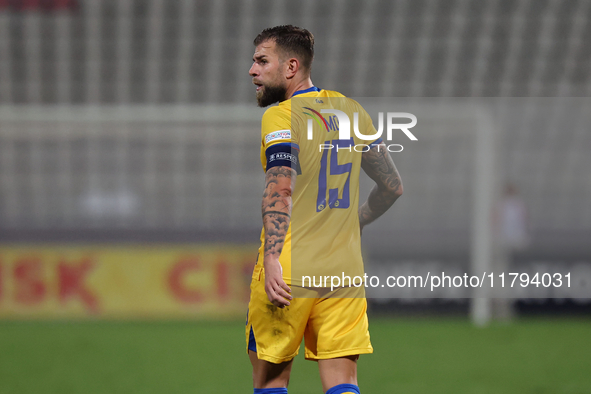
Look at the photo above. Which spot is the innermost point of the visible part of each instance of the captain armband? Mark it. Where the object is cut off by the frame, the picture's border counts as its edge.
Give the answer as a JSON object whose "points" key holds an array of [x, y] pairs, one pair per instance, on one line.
{"points": [[284, 154]]}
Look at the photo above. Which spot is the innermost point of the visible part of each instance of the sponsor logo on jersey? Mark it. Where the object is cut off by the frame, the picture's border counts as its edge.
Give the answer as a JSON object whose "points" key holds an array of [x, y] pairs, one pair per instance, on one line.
{"points": [[278, 135]]}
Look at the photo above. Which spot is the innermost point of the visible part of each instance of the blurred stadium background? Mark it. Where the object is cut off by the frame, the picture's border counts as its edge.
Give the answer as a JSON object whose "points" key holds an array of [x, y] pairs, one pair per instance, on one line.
{"points": [[130, 188]]}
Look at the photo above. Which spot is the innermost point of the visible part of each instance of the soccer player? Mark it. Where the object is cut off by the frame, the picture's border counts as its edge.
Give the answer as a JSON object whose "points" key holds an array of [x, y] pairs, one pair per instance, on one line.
{"points": [[324, 207]]}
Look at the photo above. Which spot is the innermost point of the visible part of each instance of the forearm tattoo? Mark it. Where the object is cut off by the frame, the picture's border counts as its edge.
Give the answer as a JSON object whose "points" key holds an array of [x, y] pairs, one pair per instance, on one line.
{"points": [[378, 164], [276, 208]]}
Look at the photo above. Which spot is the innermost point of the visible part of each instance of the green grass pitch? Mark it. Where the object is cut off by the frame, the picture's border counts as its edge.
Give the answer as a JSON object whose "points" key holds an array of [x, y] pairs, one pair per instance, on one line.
{"points": [[411, 356]]}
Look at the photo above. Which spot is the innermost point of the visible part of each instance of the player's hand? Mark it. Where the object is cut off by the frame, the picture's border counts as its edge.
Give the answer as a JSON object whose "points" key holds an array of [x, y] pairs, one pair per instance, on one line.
{"points": [[277, 290]]}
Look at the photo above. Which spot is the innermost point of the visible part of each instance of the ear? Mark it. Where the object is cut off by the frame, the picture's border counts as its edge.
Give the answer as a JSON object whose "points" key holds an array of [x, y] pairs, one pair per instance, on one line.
{"points": [[291, 67]]}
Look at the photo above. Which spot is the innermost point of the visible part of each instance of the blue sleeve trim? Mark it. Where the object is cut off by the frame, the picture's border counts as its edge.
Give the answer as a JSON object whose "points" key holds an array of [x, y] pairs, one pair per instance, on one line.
{"points": [[292, 145], [283, 154], [376, 142]]}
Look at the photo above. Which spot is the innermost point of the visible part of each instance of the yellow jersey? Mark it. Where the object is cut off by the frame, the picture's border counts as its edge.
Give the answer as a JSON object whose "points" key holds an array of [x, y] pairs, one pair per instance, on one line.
{"points": [[323, 238]]}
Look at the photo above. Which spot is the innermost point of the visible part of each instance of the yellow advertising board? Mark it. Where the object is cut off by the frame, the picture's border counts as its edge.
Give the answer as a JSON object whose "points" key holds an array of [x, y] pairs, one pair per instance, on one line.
{"points": [[125, 281]]}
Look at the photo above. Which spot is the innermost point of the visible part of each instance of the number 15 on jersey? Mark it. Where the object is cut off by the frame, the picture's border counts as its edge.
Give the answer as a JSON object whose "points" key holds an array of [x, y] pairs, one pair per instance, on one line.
{"points": [[327, 173]]}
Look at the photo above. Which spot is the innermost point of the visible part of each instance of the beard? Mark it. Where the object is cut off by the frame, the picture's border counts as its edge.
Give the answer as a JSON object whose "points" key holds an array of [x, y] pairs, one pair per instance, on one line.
{"points": [[270, 95]]}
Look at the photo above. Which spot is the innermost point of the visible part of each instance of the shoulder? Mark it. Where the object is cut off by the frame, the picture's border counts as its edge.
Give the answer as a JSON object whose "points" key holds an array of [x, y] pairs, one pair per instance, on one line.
{"points": [[331, 93], [282, 110], [276, 119], [276, 125], [345, 102]]}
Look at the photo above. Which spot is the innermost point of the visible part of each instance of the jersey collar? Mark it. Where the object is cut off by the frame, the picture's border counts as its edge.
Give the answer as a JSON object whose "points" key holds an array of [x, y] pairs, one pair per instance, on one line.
{"points": [[312, 89]]}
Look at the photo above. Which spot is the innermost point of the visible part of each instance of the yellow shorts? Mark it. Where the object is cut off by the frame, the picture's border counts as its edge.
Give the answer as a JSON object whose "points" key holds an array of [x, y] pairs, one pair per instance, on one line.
{"points": [[331, 327]]}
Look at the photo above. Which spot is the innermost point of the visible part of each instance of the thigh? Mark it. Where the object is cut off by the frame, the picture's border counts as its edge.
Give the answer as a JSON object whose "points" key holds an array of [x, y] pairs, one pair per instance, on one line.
{"points": [[337, 371], [269, 375]]}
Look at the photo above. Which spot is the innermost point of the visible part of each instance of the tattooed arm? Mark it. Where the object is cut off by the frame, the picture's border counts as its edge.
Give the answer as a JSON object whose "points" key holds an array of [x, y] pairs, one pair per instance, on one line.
{"points": [[276, 210], [378, 165]]}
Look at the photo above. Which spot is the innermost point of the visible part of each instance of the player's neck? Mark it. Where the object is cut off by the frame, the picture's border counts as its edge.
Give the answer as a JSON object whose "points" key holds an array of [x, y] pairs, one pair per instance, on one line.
{"points": [[302, 85]]}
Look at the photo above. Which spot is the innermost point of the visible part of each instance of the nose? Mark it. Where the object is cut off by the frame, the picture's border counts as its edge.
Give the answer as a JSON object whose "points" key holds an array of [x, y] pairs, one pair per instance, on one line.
{"points": [[253, 71]]}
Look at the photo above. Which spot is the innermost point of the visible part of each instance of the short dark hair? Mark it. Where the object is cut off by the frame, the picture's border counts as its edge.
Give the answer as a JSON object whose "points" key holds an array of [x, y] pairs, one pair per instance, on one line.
{"points": [[292, 40]]}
